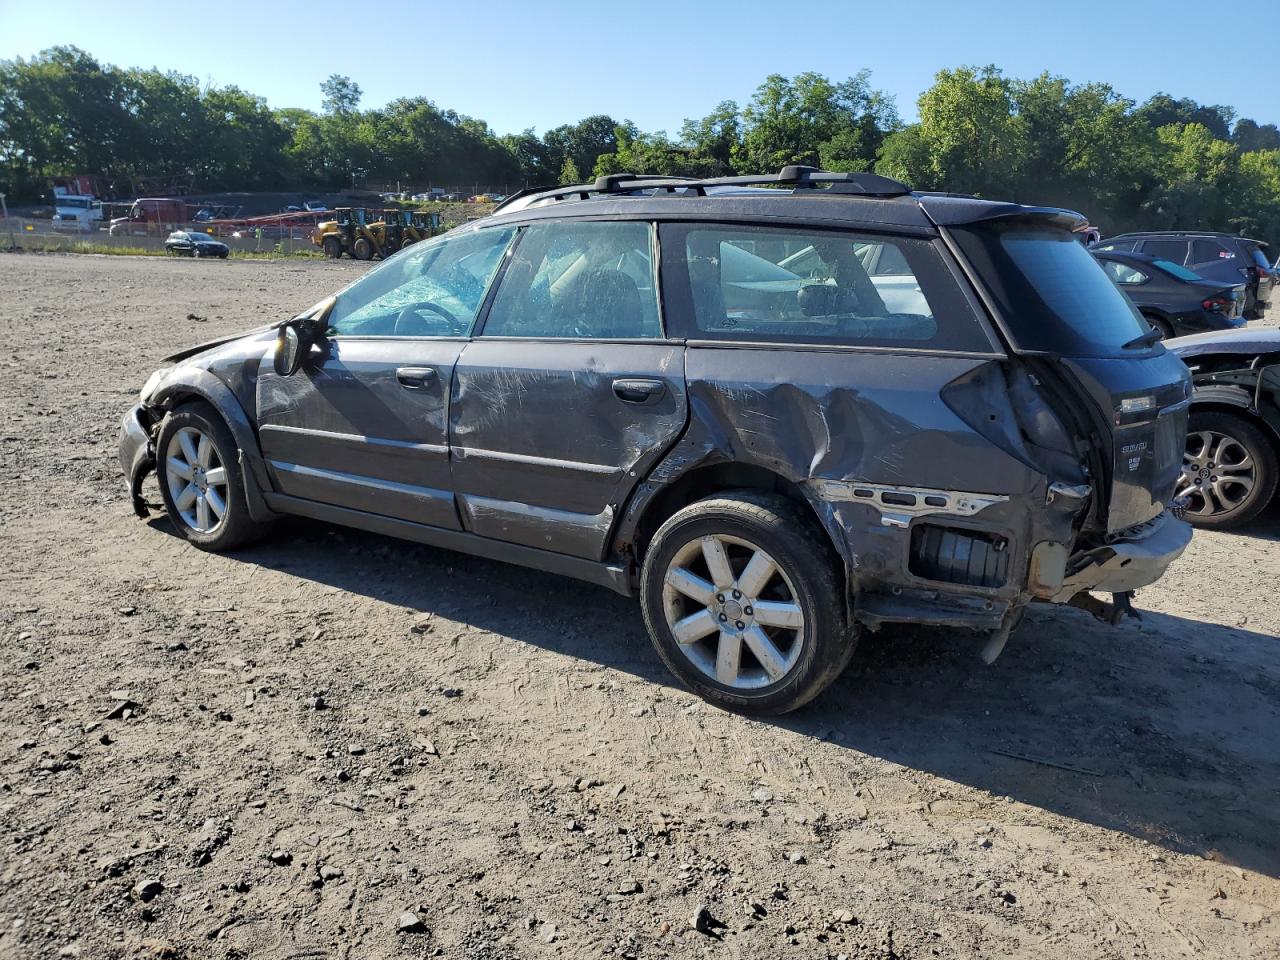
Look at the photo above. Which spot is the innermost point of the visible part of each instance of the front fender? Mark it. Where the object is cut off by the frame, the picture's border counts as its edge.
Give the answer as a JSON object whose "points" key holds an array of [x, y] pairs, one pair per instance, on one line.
{"points": [[186, 383]]}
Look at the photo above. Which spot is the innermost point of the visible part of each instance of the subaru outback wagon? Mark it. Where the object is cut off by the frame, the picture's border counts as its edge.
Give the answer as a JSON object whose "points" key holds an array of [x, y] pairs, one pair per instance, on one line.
{"points": [[777, 409]]}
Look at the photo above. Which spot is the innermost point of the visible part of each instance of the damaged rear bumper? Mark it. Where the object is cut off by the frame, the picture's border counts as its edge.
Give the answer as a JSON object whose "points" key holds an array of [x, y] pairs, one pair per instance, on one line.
{"points": [[137, 456], [1137, 558]]}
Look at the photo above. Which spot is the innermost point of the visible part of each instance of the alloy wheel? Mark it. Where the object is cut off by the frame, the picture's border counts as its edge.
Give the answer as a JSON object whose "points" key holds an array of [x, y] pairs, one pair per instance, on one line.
{"points": [[1218, 474], [197, 480], [733, 611]]}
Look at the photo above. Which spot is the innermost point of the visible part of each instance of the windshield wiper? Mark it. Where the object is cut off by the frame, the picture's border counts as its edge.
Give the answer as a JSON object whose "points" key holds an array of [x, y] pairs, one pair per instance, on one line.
{"points": [[1147, 339]]}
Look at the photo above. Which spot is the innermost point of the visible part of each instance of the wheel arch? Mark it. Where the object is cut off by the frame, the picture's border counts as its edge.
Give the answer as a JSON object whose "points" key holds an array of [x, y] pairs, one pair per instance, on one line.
{"points": [[657, 502], [1237, 402], [201, 385]]}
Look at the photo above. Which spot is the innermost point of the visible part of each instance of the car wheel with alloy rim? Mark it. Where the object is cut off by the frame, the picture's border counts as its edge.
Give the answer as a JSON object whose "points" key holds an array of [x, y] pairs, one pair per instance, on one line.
{"points": [[1229, 469], [200, 482], [743, 599]]}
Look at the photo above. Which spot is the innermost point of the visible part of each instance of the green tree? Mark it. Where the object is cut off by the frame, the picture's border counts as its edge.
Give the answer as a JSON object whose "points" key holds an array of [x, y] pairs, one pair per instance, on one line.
{"points": [[569, 172], [651, 153], [581, 142], [1249, 136], [341, 95], [715, 137], [811, 120]]}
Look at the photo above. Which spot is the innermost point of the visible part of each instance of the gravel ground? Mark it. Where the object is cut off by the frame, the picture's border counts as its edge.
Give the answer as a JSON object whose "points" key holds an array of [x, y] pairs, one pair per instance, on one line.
{"points": [[335, 745]]}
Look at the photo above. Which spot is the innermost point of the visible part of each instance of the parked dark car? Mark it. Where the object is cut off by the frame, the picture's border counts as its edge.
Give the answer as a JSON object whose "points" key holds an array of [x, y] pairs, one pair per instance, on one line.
{"points": [[776, 415], [195, 243], [1230, 466], [1225, 257], [1171, 298]]}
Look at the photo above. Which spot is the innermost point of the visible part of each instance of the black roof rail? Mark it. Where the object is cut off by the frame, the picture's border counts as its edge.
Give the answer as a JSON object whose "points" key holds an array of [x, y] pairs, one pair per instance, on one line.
{"points": [[800, 177], [867, 184], [521, 194]]}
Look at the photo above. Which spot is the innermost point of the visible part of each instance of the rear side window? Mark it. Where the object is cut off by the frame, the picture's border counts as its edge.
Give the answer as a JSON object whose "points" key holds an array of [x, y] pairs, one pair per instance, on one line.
{"points": [[801, 285], [1206, 251], [1053, 294], [1122, 245], [1175, 250]]}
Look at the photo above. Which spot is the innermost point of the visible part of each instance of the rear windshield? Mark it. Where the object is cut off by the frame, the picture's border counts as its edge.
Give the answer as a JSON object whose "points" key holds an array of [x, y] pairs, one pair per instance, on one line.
{"points": [[1053, 294], [1176, 270]]}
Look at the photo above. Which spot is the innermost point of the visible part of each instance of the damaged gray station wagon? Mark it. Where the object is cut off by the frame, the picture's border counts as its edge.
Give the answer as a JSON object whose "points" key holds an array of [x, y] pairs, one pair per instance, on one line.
{"points": [[779, 409]]}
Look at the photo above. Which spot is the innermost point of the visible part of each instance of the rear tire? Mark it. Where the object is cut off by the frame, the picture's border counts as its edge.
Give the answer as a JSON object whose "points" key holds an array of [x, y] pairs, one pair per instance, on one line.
{"points": [[777, 642], [332, 248], [1235, 463], [207, 507], [1158, 323]]}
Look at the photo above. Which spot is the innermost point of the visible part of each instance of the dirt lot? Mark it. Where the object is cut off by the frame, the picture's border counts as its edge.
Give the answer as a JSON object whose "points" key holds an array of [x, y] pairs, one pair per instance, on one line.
{"points": [[333, 729]]}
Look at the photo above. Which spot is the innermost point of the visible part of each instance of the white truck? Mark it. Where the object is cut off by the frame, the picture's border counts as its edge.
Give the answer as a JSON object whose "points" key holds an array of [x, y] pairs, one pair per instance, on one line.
{"points": [[75, 213]]}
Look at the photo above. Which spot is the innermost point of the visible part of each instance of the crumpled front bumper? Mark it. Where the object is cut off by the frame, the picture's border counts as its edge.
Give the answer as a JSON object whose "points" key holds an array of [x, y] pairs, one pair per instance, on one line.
{"points": [[1128, 562], [137, 456]]}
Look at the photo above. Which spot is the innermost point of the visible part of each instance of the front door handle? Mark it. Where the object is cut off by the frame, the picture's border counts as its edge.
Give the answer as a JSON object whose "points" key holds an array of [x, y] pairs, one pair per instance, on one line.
{"points": [[639, 391], [414, 378]]}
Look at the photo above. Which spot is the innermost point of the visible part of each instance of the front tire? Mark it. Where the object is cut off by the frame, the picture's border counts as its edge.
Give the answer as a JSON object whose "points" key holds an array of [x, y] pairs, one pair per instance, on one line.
{"points": [[744, 601], [198, 467], [1229, 470], [363, 249]]}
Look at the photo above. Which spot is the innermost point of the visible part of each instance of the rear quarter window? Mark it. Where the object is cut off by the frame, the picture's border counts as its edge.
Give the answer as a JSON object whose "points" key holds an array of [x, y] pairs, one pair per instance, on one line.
{"points": [[805, 285], [1054, 296]]}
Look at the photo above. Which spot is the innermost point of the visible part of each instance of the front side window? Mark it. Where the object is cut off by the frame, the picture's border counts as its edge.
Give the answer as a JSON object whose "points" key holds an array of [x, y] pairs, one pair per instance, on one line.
{"points": [[805, 285], [579, 280], [433, 289], [1123, 273]]}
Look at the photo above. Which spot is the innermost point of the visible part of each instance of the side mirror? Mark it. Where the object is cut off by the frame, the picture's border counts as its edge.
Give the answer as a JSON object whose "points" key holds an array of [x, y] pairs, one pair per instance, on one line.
{"points": [[289, 350]]}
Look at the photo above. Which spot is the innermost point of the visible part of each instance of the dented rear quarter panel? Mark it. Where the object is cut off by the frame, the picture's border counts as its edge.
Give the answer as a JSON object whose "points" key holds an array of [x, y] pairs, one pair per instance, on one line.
{"points": [[815, 416]]}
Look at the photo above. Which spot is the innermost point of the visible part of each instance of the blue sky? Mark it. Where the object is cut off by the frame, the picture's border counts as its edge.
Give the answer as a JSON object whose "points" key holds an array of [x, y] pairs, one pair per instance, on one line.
{"points": [[518, 65]]}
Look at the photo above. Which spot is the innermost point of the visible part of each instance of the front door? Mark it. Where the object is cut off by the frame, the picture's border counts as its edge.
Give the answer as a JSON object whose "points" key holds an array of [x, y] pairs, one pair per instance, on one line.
{"points": [[365, 425], [569, 393]]}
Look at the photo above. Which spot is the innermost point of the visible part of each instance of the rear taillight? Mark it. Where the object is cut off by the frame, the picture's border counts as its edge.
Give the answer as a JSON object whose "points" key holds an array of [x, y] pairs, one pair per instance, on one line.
{"points": [[1214, 303]]}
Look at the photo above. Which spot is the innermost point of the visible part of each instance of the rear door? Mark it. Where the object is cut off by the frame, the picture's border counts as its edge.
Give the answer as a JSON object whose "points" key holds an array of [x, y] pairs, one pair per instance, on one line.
{"points": [[570, 391], [365, 426]]}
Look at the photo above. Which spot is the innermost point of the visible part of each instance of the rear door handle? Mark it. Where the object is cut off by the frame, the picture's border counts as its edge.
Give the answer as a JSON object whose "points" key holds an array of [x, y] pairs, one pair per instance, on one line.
{"points": [[415, 378], [639, 391]]}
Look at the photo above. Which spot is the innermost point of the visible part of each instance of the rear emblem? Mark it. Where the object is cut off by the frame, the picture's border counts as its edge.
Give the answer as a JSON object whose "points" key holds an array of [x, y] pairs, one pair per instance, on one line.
{"points": [[1134, 463]]}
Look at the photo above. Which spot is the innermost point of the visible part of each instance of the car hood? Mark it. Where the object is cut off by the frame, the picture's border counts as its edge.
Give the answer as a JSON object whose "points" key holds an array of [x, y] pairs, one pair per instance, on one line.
{"points": [[1226, 341], [211, 344]]}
